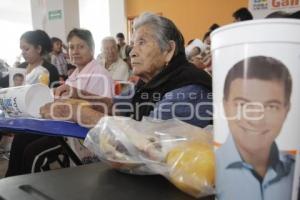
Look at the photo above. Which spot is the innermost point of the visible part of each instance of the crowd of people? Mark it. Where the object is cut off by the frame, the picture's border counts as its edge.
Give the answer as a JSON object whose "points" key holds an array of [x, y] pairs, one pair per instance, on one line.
{"points": [[156, 57]]}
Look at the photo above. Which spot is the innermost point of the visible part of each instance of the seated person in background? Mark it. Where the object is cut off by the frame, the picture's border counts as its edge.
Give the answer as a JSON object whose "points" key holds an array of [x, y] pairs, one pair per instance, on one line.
{"points": [[33, 52], [169, 86], [284, 14], [242, 14], [193, 48], [110, 59], [194, 52], [71, 68], [58, 57], [123, 48], [198, 62], [205, 55], [34, 44], [295, 15], [88, 76], [278, 14], [249, 164]]}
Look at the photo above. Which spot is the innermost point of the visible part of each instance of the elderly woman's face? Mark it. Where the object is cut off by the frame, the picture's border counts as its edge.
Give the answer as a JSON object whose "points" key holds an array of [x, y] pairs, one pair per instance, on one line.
{"points": [[147, 59], [79, 52], [110, 50]]}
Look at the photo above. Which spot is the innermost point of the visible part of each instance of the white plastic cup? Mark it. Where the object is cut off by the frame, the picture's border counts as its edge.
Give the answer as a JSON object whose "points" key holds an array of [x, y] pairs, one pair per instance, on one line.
{"points": [[275, 38], [25, 101]]}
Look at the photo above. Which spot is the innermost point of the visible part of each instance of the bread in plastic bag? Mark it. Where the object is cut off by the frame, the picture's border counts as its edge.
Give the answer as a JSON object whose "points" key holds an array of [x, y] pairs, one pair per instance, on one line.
{"points": [[179, 151], [110, 143]]}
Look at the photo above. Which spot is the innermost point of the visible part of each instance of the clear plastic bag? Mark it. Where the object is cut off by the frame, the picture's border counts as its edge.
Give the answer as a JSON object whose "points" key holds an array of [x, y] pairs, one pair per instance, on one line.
{"points": [[179, 151]]}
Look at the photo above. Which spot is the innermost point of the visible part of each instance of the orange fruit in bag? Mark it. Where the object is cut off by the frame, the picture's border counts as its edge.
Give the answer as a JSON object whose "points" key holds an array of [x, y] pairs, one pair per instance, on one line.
{"points": [[192, 167]]}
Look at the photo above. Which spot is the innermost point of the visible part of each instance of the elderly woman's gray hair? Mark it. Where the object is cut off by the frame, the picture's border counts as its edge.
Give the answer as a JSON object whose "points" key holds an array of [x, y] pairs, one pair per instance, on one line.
{"points": [[84, 35], [164, 30], [109, 39]]}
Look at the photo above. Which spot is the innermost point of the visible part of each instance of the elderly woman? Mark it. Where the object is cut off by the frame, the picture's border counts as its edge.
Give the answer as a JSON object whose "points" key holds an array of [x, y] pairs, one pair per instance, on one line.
{"points": [[169, 85], [110, 58]]}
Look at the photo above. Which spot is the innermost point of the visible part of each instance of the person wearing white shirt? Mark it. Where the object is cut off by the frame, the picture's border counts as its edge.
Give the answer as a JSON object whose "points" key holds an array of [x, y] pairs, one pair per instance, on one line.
{"points": [[118, 69]]}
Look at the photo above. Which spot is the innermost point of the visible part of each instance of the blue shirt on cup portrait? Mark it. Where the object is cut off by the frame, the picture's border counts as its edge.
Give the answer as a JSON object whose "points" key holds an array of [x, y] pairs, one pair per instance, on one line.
{"points": [[237, 179]]}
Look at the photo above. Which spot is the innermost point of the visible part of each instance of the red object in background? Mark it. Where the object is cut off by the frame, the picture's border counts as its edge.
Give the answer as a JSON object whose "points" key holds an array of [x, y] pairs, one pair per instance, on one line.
{"points": [[118, 88]]}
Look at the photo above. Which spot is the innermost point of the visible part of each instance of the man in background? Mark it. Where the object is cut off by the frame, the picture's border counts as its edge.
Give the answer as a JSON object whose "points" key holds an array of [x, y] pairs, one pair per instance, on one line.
{"points": [[242, 14], [123, 48]]}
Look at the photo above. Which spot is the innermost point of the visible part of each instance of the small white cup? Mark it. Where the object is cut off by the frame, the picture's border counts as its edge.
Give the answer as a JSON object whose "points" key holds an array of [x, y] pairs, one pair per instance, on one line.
{"points": [[25, 101]]}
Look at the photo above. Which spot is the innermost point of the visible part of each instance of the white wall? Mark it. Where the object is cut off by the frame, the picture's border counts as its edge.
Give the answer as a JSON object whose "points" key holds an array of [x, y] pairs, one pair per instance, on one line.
{"points": [[101, 17], [117, 17], [94, 16], [71, 19], [15, 19], [39, 14], [55, 27]]}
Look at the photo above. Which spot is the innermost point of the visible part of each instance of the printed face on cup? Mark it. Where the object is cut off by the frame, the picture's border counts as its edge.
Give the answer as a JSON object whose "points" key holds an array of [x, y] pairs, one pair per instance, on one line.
{"points": [[255, 110], [18, 79]]}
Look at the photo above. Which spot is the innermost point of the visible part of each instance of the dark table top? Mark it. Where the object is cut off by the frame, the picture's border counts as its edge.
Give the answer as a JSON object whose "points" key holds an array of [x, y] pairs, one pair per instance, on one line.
{"points": [[92, 182]]}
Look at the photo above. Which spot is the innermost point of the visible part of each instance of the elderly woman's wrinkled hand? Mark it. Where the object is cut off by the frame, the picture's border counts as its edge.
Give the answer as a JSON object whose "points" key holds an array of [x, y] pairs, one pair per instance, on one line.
{"points": [[64, 91]]}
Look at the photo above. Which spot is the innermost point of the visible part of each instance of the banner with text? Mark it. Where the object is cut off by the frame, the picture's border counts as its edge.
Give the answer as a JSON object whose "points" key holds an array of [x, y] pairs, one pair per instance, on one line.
{"points": [[262, 8]]}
